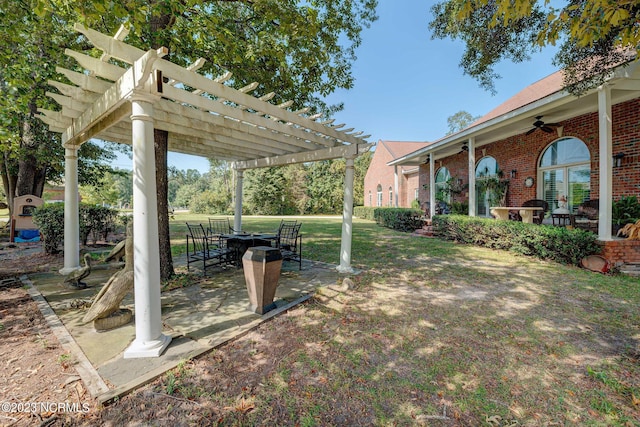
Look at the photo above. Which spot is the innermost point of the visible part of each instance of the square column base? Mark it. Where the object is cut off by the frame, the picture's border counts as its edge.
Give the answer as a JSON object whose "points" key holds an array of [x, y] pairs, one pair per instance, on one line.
{"points": [[153, 348]]}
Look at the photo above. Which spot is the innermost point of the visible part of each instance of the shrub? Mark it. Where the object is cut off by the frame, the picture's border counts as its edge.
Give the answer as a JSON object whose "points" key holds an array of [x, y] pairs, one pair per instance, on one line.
{"points": [[625, 210], [545, 242], [401, 219], [50, 220], [96, 221], [364, 212]]}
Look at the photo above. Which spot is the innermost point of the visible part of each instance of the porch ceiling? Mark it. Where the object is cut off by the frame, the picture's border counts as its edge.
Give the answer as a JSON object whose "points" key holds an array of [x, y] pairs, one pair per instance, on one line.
{"points": [[203, 116]]}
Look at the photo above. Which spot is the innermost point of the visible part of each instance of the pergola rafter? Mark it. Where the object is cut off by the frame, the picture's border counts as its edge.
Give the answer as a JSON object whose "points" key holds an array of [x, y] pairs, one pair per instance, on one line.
{"points": [[124, 100]]}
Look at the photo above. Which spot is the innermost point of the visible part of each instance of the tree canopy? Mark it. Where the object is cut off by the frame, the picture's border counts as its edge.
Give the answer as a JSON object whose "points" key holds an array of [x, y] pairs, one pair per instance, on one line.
{"points": [[593, 35], [459, 121], [30, 48]]}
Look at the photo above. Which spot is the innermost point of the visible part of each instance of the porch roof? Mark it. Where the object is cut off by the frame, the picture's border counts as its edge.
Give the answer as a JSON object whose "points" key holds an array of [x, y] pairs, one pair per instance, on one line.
{"points": [[515, 116], [203, 116]]}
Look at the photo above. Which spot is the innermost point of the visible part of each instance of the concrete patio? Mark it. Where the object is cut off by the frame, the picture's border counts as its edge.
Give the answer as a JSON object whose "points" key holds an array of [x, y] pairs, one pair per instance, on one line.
{"points": [[198, 317]]}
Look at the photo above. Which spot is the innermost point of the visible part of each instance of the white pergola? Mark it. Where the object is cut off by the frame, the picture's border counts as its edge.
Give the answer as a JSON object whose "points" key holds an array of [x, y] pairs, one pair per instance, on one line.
{"points": [[203, 117]]}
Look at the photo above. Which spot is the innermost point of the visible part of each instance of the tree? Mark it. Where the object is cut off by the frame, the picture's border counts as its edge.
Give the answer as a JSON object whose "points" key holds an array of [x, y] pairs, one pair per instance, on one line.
{"points": [[325, 186], [459, 121], [30, 47], [594, 35], [361, 165], [300, 50], [265, 191]]}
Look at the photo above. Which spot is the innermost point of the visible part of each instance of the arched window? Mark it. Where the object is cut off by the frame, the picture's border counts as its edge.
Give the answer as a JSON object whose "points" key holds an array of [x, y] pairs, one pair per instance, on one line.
{"points": [[565, 170], [442, 180], [390, 196], [379, 201], [487, 168]]}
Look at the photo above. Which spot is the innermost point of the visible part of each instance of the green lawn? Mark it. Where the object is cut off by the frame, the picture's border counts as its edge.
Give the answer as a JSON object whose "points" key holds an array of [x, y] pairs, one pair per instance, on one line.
{"points": [[432, 333]]}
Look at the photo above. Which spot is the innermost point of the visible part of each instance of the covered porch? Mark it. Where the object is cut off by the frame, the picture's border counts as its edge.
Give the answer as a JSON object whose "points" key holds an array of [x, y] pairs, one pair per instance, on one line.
{"points": [[516, 137], [202, 116]]}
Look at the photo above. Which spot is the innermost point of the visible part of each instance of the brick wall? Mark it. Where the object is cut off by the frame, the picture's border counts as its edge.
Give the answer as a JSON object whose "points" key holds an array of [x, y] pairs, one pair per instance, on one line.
{"points": [[522, 153], [621, 251], [381, 174]]}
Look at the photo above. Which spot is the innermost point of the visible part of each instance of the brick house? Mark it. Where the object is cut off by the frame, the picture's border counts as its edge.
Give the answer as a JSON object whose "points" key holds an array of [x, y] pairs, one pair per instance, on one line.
{"points": [[549, 145], [392, 186]]}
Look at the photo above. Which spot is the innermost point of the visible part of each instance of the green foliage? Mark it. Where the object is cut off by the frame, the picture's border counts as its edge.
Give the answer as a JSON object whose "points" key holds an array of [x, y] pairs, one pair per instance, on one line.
{"points": [[459, 121], [546, 242], [96, 221], [595, 35], [210, 202], [401, 219], [50, 220], [460, 208], [325, 186], [265, 192], [625, 210], [364, 212]]}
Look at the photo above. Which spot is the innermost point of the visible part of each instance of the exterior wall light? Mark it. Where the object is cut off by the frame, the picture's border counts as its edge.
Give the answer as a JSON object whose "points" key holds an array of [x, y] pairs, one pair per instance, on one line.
{"points": [[617, 160]]}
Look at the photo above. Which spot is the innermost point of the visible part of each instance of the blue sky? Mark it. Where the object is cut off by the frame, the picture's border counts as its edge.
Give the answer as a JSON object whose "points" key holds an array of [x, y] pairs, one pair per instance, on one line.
{"points": [[407, 85]]}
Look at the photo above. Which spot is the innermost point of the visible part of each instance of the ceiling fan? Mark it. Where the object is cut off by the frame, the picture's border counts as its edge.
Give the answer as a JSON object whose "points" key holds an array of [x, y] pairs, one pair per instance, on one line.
{"points": [[545, 127], [464, 148]]}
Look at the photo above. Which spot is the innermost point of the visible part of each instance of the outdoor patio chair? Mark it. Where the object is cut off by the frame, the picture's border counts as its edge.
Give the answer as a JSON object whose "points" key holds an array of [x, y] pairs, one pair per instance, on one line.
{"points": [[289, 241], [283, 222], [218, 232], [208, 250], [587, 215], [219, 226], [538, 216]]}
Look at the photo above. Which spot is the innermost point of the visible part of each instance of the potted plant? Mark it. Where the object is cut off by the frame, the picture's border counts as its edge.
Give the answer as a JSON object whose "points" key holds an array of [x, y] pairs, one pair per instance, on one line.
{"points": [[625, 210], [495, 187]]}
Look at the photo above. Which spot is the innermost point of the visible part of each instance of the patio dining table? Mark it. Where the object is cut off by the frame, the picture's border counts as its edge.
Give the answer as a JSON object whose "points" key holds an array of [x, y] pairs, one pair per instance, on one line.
{"points": [[243, 241], [526, 212]]}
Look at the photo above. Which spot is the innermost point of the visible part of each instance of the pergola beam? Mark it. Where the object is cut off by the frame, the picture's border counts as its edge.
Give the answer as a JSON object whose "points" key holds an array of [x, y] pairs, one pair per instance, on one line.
{"points": [[306, 156]]}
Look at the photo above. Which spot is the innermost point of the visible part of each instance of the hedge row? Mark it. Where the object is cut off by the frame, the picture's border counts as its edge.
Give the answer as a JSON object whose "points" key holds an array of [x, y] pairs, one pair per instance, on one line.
{"points": [[545, 242], [95, 221], [401, 219]]}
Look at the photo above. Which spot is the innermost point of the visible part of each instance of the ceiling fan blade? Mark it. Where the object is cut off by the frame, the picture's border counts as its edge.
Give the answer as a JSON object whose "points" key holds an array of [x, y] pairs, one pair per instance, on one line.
{"points": [[547, 129], [530, 131], [553, 124]]}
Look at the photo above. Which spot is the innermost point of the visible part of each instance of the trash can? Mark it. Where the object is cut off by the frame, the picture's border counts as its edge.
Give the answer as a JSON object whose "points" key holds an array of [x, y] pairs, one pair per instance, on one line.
{"points": [[262, 266]]}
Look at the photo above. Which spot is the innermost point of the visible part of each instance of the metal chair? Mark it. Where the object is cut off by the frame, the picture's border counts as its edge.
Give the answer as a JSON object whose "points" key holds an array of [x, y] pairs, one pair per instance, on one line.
{"points": [[219, 226], [289, 241], [209, 250]]}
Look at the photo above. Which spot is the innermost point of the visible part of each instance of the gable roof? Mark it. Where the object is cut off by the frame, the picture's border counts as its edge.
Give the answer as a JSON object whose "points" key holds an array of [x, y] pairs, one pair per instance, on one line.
{"points": [[538, 90], [546, 97], [402, 148]]}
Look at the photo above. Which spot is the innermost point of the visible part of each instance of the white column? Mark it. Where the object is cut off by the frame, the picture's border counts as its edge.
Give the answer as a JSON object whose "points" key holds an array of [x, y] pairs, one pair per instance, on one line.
{"points": [[432, 185], [149, 341], [71, 212], [395, 185], [237, 217], [347, 219], [472, 176], [606, 152]]}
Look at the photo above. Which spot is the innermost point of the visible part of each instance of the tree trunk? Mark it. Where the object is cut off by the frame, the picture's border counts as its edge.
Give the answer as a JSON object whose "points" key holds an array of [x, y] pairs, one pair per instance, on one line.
{"points": [[25, 175], [158, 23], [161, 142]]}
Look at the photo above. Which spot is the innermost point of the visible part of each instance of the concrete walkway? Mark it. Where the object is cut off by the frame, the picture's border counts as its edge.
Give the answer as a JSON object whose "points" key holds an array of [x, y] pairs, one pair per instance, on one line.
{"points": [[198, 318]]}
